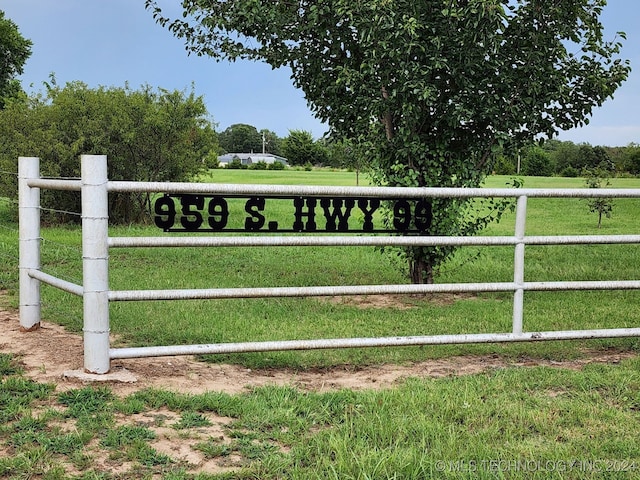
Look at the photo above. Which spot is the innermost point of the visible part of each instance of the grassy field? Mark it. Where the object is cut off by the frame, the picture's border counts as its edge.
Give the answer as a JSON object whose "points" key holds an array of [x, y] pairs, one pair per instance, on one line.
{"points": [[186, 322], [515, 423]]}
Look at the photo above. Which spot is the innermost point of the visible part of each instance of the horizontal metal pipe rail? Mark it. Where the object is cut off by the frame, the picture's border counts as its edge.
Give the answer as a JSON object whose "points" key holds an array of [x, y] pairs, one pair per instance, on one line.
{"points": [[362, 241], [316, 291], [55, 184], [56, 282], [246, 347], [326, 291], [96, 294], [331, 191], [381, 192]]}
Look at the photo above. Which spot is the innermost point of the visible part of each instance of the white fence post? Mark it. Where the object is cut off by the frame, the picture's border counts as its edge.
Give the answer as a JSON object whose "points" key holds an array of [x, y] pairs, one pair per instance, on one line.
{"points": [[518, 265], [95, 267], [29, 218]]}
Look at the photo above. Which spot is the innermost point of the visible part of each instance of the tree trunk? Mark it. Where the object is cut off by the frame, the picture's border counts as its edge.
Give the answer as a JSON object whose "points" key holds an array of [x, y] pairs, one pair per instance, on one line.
{"points": [[420, 271], [387, 118]]}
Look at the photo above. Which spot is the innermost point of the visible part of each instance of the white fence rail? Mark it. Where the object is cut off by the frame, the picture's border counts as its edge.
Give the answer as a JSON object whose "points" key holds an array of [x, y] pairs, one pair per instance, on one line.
{"points": [[95, 188]]}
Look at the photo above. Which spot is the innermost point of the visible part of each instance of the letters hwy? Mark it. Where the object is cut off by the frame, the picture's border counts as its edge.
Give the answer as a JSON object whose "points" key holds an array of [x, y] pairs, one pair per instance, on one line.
{"points": [[213, 213]]}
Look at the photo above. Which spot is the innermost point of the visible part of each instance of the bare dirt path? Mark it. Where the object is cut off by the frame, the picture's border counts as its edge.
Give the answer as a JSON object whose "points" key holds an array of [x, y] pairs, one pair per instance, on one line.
{"points": [[51, 351]]}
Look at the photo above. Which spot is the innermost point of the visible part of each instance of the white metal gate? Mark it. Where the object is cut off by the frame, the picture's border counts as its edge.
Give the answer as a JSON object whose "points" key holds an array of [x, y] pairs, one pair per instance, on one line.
{"points": [[95, 188]]}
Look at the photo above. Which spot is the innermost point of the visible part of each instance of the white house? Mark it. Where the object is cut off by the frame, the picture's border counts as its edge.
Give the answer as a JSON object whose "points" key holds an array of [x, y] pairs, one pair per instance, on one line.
{"points": [[250, 158]]}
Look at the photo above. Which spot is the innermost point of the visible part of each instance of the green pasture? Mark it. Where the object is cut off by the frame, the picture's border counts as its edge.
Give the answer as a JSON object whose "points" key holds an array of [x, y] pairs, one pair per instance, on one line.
{"points": [[511, 423], [322, 176], [217, 321]]}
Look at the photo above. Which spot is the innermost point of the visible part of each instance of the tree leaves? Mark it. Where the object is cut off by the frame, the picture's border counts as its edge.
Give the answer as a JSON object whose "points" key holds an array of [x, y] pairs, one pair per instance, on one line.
{"points": [[14, 52], [147, 135], [430, 88]]}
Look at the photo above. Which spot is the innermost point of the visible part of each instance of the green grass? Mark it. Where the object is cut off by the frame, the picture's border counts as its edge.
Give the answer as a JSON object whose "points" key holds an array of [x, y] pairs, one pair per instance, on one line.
{"points": [[210, 321], [516, 423], [284, 177]]}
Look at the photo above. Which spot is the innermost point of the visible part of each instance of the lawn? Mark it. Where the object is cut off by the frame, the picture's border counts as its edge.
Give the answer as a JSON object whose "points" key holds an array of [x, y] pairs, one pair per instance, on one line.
{"points": [[515, 423], [239, 320]]}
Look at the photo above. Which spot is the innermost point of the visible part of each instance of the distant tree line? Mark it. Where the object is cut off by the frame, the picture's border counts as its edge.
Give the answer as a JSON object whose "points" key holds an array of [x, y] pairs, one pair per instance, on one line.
{"points": [[550, 158], [568, 159]]}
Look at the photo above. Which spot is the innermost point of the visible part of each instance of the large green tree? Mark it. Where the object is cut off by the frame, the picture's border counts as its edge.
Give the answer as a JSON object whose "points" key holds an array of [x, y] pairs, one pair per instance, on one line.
{"points": [[147, 135], [300, 149], [536, 162], [434, 87], [241, 138], [633, 161], [566, 156], [14, 52]]}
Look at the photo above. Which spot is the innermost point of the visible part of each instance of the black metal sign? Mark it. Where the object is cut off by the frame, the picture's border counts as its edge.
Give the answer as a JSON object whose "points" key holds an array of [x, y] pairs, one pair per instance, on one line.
{"points": [[213, 213]]}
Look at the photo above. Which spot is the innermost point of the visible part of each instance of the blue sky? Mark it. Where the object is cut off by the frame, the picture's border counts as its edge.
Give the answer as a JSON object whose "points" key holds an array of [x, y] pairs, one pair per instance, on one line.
{"points": [[110, 42]]}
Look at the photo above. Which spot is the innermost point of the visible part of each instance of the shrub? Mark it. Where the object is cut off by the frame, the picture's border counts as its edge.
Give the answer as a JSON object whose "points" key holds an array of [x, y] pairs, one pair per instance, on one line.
{"points": [[235, 164], [258, 165], [504, 166], [276, 166], [569, 172], [155, 136]]}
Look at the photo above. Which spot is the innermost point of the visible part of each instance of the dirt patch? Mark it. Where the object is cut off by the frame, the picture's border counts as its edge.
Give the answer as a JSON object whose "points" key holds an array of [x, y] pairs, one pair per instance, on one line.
{"points": [[399, 302], [181, 445], [50, 351]]}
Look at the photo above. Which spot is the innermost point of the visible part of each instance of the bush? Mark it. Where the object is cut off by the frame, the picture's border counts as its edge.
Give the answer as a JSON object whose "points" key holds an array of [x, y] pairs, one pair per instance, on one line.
{"points": [[211, 161], [569, 172], [235, 164], [276, 166], [147, 135], [537, 162], [633, 164], [258, 165], [504, 166]]}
